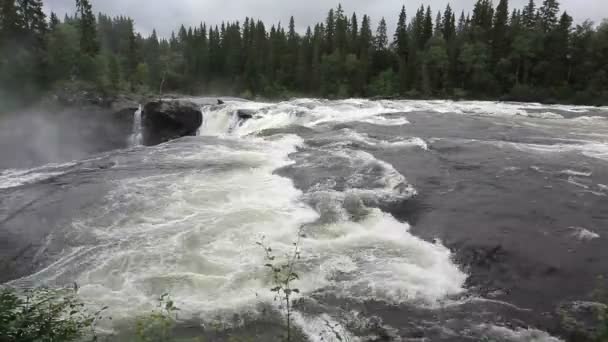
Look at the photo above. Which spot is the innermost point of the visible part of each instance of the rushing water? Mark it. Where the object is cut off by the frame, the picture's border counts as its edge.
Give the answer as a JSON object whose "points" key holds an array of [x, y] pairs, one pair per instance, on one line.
{"points": [[136, 137], [185, 217]]}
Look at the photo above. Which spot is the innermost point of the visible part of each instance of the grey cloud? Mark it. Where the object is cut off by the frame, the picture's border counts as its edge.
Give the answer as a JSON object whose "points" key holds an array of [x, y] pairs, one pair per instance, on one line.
{"points": [[166, 16]]}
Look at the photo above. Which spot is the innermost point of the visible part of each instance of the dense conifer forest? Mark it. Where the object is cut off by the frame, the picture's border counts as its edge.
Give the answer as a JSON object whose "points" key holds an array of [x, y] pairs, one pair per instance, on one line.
{"points": [[535, 53]]}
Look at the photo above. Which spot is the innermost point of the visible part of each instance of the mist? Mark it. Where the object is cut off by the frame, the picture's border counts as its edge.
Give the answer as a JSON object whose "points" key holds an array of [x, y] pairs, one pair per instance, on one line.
{"points": [[40, 136]]}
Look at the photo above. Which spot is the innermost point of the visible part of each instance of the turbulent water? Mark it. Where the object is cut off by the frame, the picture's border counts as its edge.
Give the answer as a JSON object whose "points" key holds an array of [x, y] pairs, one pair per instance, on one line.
{"points": [[185, 217], [137, 135]]}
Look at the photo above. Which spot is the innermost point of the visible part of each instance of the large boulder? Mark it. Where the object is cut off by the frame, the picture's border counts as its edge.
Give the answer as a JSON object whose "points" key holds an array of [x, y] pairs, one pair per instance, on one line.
{"points": [[166, 120]]}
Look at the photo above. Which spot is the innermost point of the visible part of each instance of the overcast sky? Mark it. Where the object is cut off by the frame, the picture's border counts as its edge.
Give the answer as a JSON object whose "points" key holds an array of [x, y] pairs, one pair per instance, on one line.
{"points": [[167, 15]]}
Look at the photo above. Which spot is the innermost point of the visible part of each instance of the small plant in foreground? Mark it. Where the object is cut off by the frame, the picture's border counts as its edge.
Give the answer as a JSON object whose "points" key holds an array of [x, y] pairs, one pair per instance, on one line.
{"points": [[157, 326], [335, 331], [283, 276], [45, 315]]}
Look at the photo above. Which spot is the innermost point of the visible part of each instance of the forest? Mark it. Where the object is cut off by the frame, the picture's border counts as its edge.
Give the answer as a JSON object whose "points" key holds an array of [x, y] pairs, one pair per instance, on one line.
{"points": [[536, 53]]}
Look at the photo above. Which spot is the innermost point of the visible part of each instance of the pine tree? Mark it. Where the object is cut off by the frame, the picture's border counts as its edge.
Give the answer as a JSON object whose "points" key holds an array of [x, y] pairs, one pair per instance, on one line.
{"points": [[462, 22], [500, 43], [482, 20], [341, 33], [529, 15], [438, 25], [448, 24], [354, 34], [427, 28], [54, 22], [548, 15], [303, 68], [401, 43], [401, 40], [330, 32], [88, 32], [365, 38], [417, 28], [365, 47], [317, 51], [114, 71], [381, 39], [10, 21], [132, 58]]}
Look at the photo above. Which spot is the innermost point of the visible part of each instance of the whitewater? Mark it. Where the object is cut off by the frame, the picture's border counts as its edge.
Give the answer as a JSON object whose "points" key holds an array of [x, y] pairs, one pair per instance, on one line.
{"points": [[185, 217]]}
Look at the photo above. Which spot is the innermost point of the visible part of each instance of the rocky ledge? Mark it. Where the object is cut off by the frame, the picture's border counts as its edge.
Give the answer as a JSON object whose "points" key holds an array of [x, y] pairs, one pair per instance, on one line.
{"points": [[164, 120]]}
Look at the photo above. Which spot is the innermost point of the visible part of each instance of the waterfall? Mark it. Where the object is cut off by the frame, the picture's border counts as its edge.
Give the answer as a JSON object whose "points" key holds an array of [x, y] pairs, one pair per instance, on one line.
{"points": [[136, 135], [218, 121]]}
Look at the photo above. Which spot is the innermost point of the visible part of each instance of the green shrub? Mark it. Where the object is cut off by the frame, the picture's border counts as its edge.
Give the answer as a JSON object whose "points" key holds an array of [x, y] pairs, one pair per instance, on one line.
{"points": [[45, 315], [157, 326]]}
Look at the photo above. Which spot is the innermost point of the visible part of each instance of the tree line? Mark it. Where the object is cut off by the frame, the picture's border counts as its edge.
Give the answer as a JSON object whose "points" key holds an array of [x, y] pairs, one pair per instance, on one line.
{"points": [[533, 53]]}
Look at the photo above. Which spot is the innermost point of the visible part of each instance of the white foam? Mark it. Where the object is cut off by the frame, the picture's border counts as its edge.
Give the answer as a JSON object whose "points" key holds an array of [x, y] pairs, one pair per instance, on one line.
{"points": [[384, 121], [11, 178], [576, 173], [218, 121], [305, 112], [136, 137], [192, 232], [397, 142], [584, 234], [503, 334], [544, 115], [589, 119], [323, 328], [311, 112], [590, 149], [573, 181], [390, 263]]}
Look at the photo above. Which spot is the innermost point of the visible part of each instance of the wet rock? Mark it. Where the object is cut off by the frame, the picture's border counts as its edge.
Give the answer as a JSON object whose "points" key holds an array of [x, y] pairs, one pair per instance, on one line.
{"points": [[124, 116], [302, 131], [245, 114], [220, 102], [166, 120], [123, 103], [482, 256]]}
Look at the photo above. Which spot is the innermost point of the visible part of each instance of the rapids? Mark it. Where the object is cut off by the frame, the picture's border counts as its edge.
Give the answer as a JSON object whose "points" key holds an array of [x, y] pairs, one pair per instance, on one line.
{"points": [[184, 217]]}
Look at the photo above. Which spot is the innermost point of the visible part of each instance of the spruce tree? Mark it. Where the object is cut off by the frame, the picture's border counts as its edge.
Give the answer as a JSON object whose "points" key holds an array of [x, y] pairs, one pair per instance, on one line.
{"points": [[88, 31], [354, 34], [341, 38], [448, 24], [427, 27], [381, 38], [330, 32], [401, 44], [548, 15], [529, 15], [500, 42], [400, 40], [53, 22], [10, 21]]}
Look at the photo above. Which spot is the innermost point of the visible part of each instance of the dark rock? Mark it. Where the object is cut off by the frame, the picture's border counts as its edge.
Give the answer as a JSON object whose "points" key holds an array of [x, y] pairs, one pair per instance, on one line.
{"points": [[124, 116], [123, 102], [166, 120], [220, 102], [245, 114], [293, 129], [482, 256]]}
